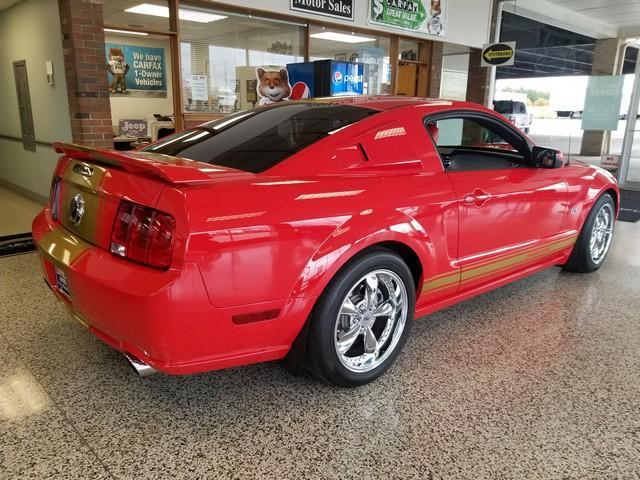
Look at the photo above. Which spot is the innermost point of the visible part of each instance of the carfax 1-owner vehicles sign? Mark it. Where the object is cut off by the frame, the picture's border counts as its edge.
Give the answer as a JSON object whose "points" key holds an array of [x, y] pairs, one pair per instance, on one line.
{"points": [[136, 71], [427, 16]]}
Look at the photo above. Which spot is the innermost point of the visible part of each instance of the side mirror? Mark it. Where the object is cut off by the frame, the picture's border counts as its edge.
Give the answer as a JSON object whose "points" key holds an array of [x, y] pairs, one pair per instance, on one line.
{"points": [[544, 157]]}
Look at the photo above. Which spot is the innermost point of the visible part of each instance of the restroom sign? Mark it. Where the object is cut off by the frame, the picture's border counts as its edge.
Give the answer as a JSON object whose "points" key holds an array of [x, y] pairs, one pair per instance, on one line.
{"points": [[498, 54]]}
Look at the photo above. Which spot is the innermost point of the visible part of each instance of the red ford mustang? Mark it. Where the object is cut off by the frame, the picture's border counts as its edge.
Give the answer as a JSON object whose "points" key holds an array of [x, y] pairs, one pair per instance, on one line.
{"points": [[310, 231]]}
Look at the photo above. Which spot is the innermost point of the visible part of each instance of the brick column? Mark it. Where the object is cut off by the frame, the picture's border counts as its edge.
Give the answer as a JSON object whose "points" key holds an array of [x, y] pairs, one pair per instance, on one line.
{"points": [[81, 22], [479, 79], [435, 70], [606, 59]]}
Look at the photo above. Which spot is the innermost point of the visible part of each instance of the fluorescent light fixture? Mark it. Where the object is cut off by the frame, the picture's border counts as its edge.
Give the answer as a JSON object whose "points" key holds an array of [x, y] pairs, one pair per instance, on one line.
{"points": [[126, 32], [342, 37], [183, 14]]}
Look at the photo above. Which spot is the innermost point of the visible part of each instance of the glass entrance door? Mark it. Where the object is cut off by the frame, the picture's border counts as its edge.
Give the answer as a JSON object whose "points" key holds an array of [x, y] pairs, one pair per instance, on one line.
{"points": [[629, 173]]}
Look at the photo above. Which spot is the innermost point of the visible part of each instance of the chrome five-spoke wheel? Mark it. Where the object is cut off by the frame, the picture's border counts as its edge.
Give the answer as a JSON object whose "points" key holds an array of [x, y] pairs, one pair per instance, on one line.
{"points": [[362, 320], [371, 320], [592, 245], [601, 233]]}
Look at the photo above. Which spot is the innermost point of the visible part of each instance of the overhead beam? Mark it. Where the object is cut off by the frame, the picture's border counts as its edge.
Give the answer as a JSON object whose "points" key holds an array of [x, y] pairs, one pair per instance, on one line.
{"points": [[549, 13]]}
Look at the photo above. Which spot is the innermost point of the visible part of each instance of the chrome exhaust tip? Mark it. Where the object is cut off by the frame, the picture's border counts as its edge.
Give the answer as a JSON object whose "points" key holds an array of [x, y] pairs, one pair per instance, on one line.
{"points": [[141, 368]]}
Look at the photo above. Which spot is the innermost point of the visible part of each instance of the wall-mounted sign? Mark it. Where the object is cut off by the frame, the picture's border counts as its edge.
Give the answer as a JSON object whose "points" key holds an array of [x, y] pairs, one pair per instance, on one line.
{"points": [[498, 54], [199, 87], [428, 16], [136, 71], [602, 103], [133, 128], [331, 8], [610, 162]]}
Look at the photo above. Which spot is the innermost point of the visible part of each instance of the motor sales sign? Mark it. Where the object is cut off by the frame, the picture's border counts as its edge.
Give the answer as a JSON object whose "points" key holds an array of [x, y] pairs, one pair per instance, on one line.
{"points": [[331, 8]]}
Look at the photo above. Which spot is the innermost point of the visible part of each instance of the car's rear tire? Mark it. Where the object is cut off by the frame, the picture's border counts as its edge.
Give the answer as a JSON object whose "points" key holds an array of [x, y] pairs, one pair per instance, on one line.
{"points": [[361, 321], [593, 243]]}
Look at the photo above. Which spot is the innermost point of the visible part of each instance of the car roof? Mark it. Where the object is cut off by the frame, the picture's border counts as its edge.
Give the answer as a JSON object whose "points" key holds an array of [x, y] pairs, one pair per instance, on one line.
{"points": [[387, 102]]}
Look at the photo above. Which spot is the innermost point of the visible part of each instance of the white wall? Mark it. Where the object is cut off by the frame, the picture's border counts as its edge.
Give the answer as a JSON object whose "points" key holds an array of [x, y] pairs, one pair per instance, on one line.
{"points": [[30, 31], [468, 21], [142, 107]]}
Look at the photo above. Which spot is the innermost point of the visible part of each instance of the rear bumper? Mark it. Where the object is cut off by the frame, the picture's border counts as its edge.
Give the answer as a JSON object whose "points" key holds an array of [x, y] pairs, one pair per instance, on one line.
{"points": [[163, 318]]}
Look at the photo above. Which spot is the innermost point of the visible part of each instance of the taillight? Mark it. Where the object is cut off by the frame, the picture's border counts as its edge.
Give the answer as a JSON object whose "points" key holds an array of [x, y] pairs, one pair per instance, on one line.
{"points": [[143, 234], [53, 197]]}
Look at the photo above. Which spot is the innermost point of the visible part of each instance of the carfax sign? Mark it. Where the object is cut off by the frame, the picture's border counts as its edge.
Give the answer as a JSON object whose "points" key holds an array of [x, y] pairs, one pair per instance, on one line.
{"points": [[136, 71], [331, 8], [426, 16]]}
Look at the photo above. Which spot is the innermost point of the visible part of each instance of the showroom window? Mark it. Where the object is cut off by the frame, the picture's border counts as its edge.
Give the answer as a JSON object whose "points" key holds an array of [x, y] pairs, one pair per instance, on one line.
{"points": [[219, 58], [372, 50]]}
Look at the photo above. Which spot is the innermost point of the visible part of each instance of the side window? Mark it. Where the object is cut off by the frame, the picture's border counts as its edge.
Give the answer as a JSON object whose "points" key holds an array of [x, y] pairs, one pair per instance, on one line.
{"points": [[467, 144], [464, 132], [522, 108]]}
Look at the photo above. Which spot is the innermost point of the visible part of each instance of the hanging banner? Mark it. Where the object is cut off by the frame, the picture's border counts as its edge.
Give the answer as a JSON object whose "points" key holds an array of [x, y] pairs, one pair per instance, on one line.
{"points": [[602, 103], [428, 16], [136, 71]]}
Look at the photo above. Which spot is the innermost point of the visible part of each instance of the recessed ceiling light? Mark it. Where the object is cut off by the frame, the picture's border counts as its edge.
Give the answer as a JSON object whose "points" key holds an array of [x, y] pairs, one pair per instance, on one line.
{"points": [[342, 37], [183, 14], [127, 32]]}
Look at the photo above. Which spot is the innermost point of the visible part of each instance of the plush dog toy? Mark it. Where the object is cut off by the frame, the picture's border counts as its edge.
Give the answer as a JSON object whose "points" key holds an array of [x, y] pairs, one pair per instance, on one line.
{"points": [[118, 68], [273, 86]]}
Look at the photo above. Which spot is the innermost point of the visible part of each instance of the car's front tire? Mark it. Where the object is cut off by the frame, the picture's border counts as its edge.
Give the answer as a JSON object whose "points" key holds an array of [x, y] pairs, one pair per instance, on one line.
{"points": [[362, 320], [593, 243]]}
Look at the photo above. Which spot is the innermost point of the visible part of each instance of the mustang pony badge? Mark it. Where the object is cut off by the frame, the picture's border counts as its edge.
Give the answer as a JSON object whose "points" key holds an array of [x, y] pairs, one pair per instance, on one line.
{"points": [[76, 209]]}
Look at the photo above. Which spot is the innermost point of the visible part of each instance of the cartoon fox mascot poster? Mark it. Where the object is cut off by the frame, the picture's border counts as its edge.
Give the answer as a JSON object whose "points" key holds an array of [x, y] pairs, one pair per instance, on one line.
{"points": [[118, 69], [273, 86]]}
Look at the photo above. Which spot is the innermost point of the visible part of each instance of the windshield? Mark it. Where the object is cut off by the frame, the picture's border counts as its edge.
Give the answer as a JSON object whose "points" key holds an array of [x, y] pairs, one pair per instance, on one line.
{"points": [[259, 139]]}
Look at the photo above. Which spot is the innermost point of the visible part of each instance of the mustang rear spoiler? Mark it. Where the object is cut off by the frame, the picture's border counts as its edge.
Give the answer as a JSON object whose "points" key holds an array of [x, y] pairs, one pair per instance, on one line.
{"points": [[174, 170]]}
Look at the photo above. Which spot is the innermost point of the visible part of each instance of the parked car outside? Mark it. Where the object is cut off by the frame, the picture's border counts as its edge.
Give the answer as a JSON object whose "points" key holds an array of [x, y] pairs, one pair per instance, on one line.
{"points": [[516, 112]]}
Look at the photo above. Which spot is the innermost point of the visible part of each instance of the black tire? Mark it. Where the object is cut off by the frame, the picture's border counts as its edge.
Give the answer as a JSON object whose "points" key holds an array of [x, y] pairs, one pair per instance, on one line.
{"points": [[526, 130], [322, 358], [580, 259]]}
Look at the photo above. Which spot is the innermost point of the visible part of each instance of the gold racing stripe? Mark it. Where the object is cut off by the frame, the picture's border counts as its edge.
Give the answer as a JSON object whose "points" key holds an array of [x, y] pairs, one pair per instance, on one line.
{"points": [[539, 252], [62, 247], [88, 188], [440, 282]]}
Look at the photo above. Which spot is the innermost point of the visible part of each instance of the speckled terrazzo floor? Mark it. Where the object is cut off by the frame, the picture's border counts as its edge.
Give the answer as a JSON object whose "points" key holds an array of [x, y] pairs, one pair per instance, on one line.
{"points": [[539, 379]]}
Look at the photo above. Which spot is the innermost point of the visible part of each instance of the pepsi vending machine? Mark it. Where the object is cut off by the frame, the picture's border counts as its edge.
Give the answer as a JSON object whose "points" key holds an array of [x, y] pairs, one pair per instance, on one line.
{"points": [[328, 78]]}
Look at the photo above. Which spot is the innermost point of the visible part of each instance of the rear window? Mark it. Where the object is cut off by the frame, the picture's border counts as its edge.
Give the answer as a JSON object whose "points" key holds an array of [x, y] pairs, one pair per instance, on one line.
{"points": [[257, 140], [503, 106]]}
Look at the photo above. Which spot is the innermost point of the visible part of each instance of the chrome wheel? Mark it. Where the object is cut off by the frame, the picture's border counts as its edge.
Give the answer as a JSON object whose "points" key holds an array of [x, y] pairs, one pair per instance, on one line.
{"points": [[601, 233], [371, 320]]}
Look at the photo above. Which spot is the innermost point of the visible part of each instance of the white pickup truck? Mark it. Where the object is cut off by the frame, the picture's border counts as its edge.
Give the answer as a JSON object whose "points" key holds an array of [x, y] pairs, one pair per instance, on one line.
{"points": [[516, 112]]}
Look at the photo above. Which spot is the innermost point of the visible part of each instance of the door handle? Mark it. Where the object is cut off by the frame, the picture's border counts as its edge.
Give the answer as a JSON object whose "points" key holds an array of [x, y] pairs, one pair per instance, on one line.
{"points": [[478, 198]]}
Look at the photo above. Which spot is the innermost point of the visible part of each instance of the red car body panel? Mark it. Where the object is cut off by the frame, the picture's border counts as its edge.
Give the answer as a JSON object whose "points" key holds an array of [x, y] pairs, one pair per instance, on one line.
{"points": [[253, 252]]}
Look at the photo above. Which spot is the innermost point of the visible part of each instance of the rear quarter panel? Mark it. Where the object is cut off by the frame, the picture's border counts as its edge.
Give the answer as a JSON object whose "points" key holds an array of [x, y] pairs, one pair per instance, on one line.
{"points": [[277, 237]]}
